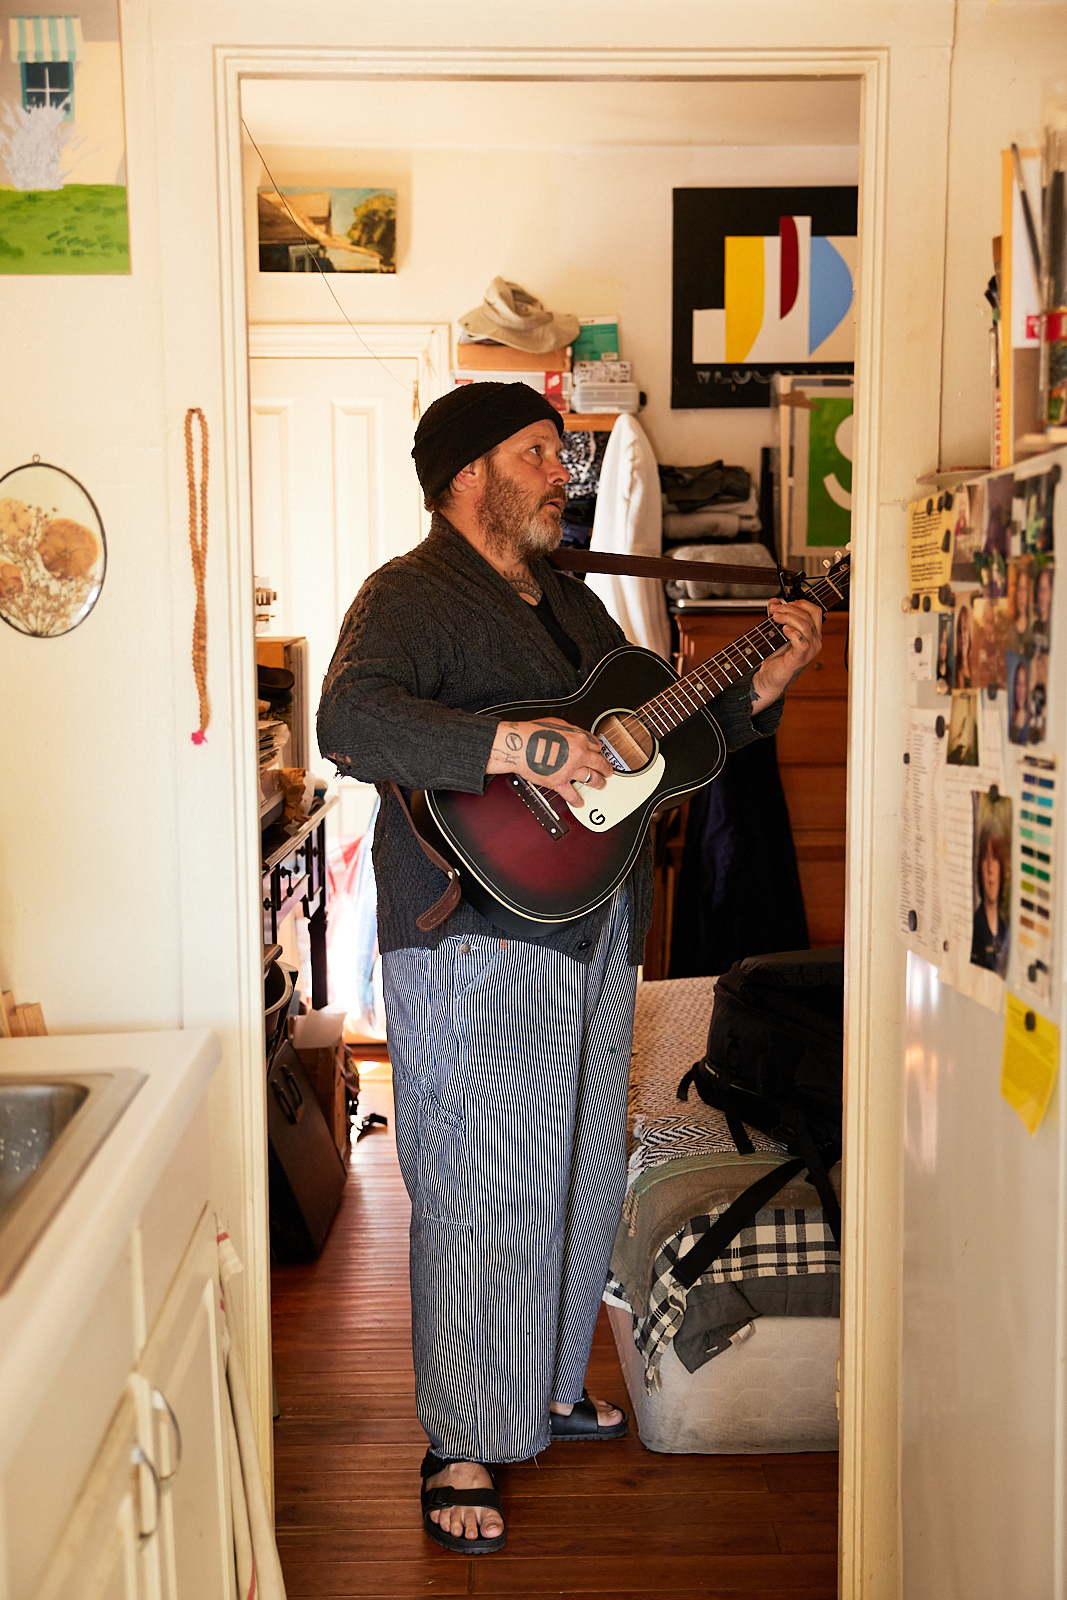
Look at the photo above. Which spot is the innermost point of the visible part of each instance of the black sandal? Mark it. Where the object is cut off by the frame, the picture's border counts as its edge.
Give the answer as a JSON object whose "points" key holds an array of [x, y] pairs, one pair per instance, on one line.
{"points": [[438, 1498], [582, 1423]]}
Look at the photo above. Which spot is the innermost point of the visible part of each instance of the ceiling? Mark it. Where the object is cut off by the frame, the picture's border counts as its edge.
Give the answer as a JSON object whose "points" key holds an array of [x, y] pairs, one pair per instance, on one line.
{"points": [[372, 114]]}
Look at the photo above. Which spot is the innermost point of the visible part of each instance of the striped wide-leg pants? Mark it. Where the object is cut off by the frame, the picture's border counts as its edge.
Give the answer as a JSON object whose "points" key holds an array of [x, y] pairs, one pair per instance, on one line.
{"points": [[510, 1069]]}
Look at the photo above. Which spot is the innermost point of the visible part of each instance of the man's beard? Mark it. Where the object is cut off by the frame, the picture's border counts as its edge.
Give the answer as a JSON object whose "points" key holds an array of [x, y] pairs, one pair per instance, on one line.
{"points": [[511, 522]]}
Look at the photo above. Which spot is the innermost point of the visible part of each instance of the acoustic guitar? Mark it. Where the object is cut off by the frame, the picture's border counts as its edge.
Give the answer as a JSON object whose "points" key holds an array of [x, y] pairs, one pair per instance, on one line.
{"points": [[523, 855]]}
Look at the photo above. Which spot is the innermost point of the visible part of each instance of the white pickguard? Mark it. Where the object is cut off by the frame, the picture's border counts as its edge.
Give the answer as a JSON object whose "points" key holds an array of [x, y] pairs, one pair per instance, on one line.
{"points": [[623, 793]]}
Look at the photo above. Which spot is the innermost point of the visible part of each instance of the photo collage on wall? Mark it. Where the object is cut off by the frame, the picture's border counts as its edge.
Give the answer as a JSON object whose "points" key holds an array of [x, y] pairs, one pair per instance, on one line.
{"points": [[999, 635], [978, 827]]}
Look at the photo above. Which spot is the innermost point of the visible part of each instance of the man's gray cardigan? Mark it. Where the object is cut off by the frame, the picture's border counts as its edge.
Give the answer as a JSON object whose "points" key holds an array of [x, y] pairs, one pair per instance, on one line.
{"points": [[432, 638]]}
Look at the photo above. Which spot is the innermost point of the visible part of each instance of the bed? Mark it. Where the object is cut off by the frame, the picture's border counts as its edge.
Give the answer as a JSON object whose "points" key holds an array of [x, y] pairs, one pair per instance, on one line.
{"points": [[746, 1361]]}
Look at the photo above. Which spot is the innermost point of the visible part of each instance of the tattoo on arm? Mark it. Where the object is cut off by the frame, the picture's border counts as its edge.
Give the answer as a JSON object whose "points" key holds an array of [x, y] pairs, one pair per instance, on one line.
{"points": [[513, 741], [546, 752]]}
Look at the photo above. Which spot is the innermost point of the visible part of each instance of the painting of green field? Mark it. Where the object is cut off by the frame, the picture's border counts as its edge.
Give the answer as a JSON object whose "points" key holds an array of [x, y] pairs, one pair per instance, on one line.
{"points": [[82, 227]]}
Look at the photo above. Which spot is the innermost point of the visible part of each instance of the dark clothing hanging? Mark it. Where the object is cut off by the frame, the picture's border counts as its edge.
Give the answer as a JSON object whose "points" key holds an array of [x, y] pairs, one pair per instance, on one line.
{"points": [[738, 892]]}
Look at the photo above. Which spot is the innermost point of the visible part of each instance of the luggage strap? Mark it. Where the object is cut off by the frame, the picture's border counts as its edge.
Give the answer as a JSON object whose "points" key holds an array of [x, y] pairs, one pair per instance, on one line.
{"points": [[741, 1214]]}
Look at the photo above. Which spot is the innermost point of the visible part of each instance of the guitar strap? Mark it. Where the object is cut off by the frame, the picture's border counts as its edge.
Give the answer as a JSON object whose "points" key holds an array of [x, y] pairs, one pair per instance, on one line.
{"points": [[663, 567], [448, 902], [588, 561]]}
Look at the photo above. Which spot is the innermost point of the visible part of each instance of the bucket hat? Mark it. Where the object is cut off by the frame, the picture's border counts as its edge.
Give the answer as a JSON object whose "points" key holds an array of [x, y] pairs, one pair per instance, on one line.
{"points": [[511, 315]]}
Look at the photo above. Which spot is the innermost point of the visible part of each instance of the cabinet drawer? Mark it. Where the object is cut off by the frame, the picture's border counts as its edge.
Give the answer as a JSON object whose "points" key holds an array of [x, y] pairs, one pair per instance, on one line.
{"points": [[812, 733], [827, 674], [823, 886], [815, 797]]}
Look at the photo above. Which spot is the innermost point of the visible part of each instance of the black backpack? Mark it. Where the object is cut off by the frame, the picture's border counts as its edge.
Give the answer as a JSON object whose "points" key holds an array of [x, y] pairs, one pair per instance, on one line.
{"points": [[774, 1060]]}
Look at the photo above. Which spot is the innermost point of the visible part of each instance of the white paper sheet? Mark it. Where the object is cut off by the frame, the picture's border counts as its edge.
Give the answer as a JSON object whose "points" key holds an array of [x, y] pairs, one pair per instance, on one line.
{"points": [[919, 915]]}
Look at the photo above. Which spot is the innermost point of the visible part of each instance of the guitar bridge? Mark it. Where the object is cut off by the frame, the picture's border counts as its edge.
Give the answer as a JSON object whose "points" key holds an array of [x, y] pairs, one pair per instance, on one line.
{"points": [[536, 802]]}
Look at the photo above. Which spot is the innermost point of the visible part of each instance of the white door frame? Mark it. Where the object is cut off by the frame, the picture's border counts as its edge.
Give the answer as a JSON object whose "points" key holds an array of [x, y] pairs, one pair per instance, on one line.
{"points": [[892, 441]]}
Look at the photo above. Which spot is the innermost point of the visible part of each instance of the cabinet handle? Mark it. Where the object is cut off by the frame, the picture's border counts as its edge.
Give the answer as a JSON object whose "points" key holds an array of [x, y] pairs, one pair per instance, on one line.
{"points": [[161, 1403], [139, 1459]]}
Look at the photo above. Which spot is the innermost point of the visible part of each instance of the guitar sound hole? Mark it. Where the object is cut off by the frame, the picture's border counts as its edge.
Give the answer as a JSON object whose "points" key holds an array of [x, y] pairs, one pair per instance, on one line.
{"points": [[628, 738]]}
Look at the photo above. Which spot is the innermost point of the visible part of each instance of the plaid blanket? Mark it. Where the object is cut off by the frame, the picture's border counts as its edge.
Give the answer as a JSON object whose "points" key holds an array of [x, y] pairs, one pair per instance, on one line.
{"points": [[781, 1241]]}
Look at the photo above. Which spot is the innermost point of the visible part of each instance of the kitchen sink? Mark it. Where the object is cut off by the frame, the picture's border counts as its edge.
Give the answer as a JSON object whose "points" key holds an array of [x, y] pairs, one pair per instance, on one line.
{"points": [[50, 1129]]}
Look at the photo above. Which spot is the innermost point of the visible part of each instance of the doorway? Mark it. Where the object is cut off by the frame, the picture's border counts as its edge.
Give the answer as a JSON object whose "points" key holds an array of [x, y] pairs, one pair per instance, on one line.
{"points": [[605, 67]]}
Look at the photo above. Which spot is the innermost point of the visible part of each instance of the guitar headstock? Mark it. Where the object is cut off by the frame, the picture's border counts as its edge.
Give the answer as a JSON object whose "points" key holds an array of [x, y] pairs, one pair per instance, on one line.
{"points": [[828, 591]]}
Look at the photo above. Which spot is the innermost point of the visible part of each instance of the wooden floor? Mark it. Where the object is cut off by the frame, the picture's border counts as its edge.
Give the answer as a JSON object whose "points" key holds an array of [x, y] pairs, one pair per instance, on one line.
{"points": [[610, 1519]]}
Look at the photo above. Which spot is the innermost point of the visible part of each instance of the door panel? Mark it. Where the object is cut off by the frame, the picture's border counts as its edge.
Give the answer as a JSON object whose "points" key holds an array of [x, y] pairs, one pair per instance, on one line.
{"points": [[334, 497]]}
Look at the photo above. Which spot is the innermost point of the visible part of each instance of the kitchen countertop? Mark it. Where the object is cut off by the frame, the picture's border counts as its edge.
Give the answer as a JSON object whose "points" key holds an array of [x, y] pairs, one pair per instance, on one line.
{"points": [[41, 1311]]}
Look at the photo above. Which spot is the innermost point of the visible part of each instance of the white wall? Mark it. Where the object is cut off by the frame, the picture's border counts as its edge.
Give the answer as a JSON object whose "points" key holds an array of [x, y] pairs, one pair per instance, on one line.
{"points": [[588, 230]]}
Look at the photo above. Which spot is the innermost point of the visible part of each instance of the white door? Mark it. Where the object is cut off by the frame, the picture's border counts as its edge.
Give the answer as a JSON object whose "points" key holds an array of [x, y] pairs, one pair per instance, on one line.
{"points": [[334, 496]]}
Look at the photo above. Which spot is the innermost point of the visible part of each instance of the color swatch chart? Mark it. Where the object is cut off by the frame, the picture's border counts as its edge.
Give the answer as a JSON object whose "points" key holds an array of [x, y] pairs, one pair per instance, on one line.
{"points": [[1037, 810]]}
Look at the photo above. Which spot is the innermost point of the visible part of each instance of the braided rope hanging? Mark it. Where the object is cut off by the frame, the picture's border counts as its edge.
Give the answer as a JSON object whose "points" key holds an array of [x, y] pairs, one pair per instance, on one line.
{"points": [[198, 548]]}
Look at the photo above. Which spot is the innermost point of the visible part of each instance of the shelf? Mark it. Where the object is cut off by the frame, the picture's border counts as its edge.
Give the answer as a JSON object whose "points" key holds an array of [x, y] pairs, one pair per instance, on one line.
{"points": [[590, 421]]}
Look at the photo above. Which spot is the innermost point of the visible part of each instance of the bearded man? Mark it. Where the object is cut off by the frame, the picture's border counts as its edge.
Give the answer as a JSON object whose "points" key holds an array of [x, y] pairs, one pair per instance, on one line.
{"points": [[510, 1054]]}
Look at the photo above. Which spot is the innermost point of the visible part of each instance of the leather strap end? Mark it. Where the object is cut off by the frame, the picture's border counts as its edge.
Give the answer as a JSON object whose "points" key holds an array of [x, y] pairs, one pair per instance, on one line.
{"points": [[441, 908]]}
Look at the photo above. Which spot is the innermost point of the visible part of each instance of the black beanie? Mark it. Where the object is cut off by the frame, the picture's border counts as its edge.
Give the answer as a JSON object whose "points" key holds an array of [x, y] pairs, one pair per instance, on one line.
{"points": [[469, 422]]}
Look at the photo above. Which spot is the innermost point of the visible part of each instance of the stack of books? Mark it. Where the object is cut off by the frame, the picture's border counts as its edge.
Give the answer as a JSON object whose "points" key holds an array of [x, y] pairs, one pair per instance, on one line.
{"points": [[586, 378], [273, 738], [485, 361]]}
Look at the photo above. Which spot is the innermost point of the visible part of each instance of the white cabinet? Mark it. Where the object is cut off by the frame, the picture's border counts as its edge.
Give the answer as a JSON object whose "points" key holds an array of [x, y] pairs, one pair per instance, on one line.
{"points": [[104, 1554], [119, 1488], [183, 1379]]}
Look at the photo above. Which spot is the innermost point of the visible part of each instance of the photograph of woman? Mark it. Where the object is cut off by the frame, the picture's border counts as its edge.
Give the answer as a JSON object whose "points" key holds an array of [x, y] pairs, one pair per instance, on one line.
{"points": [[963, 648], [1020, 587], [990, 941], [1019, 702], [1042, 628]]}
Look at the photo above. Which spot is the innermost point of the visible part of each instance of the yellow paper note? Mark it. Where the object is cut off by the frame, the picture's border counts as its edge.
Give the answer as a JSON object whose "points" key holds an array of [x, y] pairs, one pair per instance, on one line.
{"points": [[1031, 1059], [929, 548]]}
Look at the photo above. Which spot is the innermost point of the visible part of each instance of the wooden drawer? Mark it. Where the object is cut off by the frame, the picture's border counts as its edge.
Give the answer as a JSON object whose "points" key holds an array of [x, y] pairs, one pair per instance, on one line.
{"points": [[700, 637], [815, 797], [813, 733], [823, 886]]}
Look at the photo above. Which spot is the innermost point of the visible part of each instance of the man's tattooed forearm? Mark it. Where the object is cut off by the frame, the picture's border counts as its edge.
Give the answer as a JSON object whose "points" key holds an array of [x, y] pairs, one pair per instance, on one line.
{"points": [[546, 752]]}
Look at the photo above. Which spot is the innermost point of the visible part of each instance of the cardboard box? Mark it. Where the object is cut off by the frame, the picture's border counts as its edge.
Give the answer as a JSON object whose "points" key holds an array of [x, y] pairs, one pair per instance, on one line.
{"points": [[502, 358]]}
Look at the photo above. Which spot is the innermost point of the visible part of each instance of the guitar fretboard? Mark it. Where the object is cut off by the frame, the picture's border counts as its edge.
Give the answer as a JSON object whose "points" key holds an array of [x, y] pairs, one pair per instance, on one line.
{"points": [[670, 708]]}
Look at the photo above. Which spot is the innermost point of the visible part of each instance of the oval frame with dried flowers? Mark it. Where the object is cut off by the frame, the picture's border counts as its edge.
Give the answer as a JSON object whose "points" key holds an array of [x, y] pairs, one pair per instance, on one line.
{"points": [[53, 553]]}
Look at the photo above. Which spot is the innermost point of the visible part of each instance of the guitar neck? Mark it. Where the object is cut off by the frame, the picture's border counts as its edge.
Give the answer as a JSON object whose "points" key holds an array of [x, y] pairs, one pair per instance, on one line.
{"points": [[669, 709]]}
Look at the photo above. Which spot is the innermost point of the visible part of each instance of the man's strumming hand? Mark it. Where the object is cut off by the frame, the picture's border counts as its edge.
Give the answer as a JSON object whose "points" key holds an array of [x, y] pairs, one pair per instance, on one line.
{"points": [[551, 753]]}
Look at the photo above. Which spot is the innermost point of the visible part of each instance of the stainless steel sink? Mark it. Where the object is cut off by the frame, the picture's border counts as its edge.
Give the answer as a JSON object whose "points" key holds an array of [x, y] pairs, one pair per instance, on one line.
{"points": [[50, 1129]]}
